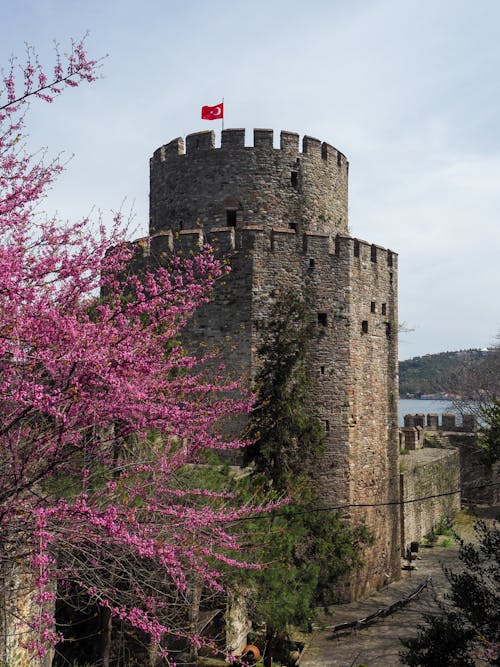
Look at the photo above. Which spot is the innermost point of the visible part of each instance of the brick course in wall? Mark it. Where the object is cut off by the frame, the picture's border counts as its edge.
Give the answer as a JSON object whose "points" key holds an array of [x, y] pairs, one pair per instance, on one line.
{"points": [[280, 217]]}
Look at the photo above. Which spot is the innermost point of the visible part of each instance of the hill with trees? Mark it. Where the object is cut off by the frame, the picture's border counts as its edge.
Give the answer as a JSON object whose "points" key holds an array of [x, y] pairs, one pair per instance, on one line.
{"points": [[443, 372]]}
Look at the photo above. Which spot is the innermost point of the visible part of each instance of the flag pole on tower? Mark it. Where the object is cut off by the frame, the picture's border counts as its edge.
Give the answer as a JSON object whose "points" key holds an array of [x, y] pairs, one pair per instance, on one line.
{"points": [[213, 113]]}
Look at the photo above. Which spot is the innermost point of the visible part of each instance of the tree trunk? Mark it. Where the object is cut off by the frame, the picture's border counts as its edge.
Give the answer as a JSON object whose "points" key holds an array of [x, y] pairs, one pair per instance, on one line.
{"points": [[106, 628], [194, 616]]}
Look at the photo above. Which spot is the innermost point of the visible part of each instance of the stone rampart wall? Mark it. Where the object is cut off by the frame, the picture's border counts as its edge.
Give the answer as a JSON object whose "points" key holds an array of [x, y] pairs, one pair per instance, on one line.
{"points": [[428, 472], [279, 215], [478, 482], [350, 290]]}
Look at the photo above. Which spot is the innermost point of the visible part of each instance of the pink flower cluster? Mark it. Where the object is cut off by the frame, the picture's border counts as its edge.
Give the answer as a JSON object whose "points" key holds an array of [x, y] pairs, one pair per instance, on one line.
{"points": [[100, 405]]}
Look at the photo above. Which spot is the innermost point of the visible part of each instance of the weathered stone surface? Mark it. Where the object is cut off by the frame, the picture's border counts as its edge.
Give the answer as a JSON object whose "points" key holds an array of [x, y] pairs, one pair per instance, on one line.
{"points": [[433, 474], [280, 217]]}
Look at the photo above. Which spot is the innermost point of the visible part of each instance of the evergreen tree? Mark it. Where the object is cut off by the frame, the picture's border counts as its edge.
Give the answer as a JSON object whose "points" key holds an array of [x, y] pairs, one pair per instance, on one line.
{"points": [[287, 438], [489, 434], [468, 628], [307, 548]]}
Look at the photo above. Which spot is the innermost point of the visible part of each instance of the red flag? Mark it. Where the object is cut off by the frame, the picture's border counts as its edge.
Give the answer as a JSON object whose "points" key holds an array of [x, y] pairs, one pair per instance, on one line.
{"points": [[213, 113]]}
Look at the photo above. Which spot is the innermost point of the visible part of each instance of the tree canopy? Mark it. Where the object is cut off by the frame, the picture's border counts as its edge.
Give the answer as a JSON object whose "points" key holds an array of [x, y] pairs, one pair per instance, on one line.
{"points": [[100, 405]]}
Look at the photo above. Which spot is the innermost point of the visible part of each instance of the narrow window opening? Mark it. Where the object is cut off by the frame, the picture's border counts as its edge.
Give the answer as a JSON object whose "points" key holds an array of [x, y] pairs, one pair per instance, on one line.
{"points": [[373, 255], [337, 246], [388, 329], [231, 217], [339, 159], [391, 278], [356, 248], [364, 326], [324, 151], [181, 225], [322, 370], [384, 309], [292, 225], [294, 179], [322, 319], [311, 263], [327, 425], [389, 258], [373, 307]]}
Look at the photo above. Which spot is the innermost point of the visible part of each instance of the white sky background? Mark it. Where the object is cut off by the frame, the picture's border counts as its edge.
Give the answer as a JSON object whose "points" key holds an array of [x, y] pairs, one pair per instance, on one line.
{"points": [[409, 90]]}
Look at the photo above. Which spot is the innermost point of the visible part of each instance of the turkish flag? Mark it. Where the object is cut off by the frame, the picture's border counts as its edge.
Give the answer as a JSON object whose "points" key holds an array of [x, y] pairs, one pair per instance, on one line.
{"points": [[213, 113]]}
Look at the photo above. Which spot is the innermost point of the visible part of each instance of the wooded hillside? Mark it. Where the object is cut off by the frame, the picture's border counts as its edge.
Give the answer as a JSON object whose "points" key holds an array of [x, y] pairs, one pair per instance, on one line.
{"points": [[441, 372]]}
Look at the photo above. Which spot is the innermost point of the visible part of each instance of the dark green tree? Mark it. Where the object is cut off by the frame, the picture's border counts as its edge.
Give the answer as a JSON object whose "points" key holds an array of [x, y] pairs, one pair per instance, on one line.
{"points": [[489, 434], [287, 439], [308, 548], [468, 627]]}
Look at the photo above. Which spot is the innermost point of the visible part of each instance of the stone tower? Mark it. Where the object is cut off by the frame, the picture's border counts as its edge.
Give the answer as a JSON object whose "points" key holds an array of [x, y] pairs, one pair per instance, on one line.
{"points": [[280, 215]]}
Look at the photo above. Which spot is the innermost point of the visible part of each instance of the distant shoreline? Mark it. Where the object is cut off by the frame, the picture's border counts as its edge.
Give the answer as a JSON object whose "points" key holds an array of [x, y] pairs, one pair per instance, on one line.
{"points": [[430, 397]]}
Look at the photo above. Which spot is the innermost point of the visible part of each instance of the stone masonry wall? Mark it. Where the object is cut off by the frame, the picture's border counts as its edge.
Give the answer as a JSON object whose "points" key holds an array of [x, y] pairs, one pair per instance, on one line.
{"points": [[289, 233], [478, 482], [373, 396], [428, 472], [264, 186]]}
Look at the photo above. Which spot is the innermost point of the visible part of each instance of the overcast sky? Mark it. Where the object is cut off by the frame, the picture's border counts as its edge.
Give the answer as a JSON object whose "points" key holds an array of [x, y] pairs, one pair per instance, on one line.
{"points": [[407, 89]]}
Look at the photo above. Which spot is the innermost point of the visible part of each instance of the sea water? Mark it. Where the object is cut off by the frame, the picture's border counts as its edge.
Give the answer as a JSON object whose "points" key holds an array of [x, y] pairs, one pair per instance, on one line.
{"points": [[412, 406]]}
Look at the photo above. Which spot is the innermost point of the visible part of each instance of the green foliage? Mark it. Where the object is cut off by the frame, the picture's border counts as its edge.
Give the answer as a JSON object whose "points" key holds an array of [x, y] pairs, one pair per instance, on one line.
{"points": [[445, 642], [286, 438], [307, 549], [442, 527], [468, 626], [436, 372], [429, 539], [489, 434], [304, 554]]}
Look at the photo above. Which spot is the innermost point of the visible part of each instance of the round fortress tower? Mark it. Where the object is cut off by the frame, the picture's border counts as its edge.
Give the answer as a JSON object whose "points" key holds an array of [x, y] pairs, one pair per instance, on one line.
{"points": [[279, 217], [197, 185]]}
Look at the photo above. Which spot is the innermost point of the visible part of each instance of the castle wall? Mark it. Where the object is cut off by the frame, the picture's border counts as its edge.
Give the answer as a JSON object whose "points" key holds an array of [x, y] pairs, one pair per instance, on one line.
{"points": [[290, 233], [428, 472], [373, 395], [195, 184], [283, 263], [478, 481]]}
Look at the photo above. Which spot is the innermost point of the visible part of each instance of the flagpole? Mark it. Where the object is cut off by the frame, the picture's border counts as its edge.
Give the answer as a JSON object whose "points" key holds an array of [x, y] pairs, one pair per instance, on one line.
{"points": [[222, 114]]}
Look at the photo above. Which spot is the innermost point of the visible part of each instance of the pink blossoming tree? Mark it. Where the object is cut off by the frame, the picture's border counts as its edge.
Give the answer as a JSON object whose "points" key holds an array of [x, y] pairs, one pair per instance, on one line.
{"points": [[100, 405]]}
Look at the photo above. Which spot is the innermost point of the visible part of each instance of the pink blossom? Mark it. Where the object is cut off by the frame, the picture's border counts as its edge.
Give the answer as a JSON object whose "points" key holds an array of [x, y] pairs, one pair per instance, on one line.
{"points": [[98, 396]]}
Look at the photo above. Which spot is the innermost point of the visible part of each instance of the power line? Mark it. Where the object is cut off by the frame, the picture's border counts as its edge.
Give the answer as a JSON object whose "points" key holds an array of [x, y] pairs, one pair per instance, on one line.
{"points": [[330, 508]]}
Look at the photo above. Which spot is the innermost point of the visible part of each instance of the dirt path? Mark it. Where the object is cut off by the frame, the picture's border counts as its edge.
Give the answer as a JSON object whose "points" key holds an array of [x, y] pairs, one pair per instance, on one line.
{"points": [[379, 645]]}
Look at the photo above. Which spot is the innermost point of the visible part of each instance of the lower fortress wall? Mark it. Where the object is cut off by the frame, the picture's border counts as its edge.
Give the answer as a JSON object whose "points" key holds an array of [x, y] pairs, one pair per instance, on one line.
{"points": [[349, 287], [423, 473], [479, 483]]}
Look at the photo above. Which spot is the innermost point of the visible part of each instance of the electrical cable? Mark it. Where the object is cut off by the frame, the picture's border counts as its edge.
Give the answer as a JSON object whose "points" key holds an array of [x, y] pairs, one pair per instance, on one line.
{"points": [[331, 508]]}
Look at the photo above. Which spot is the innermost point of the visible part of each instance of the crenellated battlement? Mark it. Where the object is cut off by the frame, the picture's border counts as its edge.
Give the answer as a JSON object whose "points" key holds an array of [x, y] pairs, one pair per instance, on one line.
{"points": [[263, 140], [228, 240], [303, 183], [448, 422]]}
